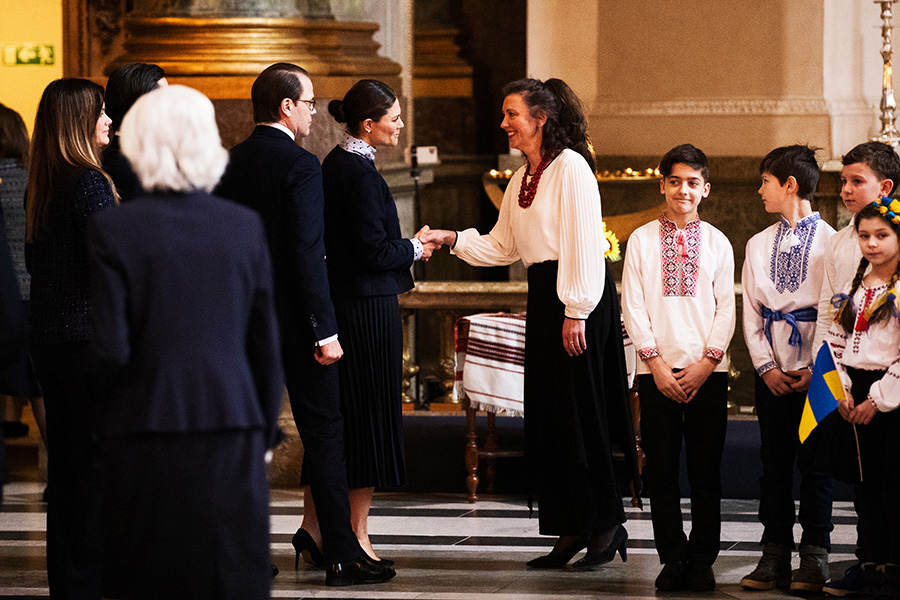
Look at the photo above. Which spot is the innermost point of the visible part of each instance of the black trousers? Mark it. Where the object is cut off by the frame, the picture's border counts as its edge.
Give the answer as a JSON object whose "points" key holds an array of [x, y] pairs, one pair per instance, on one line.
{"points": [[75, 494], [315, 401], [701, 425], [779, 421]]}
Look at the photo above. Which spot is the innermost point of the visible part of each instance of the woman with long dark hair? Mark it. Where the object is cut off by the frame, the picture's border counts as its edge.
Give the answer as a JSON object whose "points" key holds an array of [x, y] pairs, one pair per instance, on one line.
{"points": [[66, 185], [575, 388], [368, 265]]}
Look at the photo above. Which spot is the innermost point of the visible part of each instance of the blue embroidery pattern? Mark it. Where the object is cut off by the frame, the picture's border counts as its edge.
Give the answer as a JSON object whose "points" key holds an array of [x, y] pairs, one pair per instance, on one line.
{"points": [[787, 270]]}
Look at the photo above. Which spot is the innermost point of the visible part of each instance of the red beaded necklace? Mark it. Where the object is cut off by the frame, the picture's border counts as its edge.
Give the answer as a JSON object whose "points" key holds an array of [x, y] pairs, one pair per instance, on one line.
{"points": [[529, 188]]}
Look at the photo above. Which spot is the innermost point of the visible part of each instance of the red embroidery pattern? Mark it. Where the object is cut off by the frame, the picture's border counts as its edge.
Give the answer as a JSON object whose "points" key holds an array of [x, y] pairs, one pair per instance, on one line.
{"points": [[648, 353], [680, 257], [861, 323], [715, 354]]}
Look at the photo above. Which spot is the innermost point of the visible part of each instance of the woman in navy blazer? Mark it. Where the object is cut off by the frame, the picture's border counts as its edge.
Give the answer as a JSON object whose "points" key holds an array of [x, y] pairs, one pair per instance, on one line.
{"points": [[187, 365], [368, 265]]}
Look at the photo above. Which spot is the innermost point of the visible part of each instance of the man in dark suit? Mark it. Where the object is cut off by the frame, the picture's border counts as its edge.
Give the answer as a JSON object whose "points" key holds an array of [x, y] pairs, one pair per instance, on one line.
{"points": [[270, 173], [125, 85]]}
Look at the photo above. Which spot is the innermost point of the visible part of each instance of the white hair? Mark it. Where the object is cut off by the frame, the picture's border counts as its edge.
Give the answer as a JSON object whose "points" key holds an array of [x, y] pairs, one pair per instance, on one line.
{"points": [[171, 139]]}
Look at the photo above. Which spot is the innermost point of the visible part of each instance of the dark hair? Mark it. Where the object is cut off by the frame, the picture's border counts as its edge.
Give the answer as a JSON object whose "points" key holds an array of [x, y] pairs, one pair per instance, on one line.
{"points": [[13, 135], [846, 314], [126, 84], [65, 136], [686, 154], [795, 161], [367, 99], [879, 157], [274, 84], [566, 125]]}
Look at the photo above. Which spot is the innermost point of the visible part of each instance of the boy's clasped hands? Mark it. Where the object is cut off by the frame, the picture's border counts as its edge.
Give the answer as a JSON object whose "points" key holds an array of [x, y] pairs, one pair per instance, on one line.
{"points": [[680, 386]]}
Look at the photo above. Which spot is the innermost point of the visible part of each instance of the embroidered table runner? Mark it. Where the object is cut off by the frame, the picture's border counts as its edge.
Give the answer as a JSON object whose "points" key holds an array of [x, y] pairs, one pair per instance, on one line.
{"points": [[490, 362]]}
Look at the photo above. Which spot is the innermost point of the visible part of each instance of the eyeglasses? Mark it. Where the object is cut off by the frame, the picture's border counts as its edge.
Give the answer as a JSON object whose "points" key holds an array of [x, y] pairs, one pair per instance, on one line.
{"points": [[310, 103]]}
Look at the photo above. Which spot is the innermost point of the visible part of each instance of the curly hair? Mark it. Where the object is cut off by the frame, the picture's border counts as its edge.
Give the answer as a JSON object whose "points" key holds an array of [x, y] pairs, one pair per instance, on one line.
{"points": [[566, 125]]}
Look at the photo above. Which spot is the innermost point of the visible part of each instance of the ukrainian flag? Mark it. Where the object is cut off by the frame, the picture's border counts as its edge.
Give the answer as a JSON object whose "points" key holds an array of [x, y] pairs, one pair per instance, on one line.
{"points": [[825, 391]]}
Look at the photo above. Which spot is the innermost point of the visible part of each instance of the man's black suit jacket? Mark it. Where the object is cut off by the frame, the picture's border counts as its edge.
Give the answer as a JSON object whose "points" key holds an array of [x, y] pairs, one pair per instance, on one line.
{"points": [[119, 169], [271, 174]]}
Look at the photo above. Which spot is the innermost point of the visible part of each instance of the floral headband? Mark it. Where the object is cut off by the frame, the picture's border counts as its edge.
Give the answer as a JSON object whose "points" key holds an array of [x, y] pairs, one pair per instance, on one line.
{"points": [[890, 208]]}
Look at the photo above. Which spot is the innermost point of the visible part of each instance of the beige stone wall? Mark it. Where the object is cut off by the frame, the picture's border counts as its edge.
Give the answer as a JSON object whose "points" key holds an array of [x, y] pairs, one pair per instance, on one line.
{"points": [[735, 78]]}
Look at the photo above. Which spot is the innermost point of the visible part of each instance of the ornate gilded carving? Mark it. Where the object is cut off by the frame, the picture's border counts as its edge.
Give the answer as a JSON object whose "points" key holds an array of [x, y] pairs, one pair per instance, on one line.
{"points": [[107, 20], [193, 46]]}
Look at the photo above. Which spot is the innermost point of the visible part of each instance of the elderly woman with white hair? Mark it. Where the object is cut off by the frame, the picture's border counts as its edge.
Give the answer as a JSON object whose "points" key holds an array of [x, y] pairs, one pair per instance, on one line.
{"points": [[187, 366]]}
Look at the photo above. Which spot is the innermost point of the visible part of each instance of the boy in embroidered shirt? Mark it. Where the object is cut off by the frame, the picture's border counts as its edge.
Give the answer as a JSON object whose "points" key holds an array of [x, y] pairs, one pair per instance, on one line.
{"points": [[782, 278], [871, 170], [678, 305]]}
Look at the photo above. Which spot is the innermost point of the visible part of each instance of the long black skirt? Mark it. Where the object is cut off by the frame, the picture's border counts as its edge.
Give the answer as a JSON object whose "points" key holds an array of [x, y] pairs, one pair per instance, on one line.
{"points": [[576, 409], [186, 516], [371, 335]]}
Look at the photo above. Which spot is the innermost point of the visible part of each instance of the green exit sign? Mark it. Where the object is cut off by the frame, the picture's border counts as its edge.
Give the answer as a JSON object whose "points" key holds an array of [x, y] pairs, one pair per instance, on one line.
{"points": [[29, 54]]}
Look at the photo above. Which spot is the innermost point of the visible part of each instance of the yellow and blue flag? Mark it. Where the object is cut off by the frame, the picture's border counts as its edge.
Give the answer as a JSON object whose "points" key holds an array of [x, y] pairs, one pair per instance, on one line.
{"points": [[825, 391]]}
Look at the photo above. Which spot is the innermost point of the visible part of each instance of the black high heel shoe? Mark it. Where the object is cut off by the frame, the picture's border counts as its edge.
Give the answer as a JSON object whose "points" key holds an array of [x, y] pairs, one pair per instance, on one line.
{"points": [[304, 543], [618, 544], [561, 557]]}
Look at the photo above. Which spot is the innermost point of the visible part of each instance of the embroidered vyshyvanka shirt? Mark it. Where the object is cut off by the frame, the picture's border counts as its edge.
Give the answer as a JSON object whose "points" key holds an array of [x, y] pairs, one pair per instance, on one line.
{"points": [[564, 223], [678, 293], [783, 272], [842, 256], [875, 349]]}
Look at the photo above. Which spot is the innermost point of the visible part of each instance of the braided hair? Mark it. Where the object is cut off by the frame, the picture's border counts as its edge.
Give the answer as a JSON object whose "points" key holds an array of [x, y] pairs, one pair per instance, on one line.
{"points": [[847, 313]]}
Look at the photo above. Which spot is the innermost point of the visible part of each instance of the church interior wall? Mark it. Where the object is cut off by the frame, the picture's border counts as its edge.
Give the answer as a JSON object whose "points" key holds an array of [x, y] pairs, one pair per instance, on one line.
{"points": [[25, 24], [736, 79]]}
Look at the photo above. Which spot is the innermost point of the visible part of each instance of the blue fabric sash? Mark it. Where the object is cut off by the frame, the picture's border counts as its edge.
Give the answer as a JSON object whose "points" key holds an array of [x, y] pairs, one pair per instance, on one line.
{"points": [[807, 315]]}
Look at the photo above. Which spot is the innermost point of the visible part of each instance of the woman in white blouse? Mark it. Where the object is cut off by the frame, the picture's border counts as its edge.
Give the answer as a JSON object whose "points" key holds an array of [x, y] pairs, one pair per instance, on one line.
{"points": [[575, 389]]}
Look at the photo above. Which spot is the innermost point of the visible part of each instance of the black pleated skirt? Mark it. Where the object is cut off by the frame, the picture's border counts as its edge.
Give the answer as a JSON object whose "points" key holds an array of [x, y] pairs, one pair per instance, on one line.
{"points": [[371, 335], [186, 516], [576, 409]]}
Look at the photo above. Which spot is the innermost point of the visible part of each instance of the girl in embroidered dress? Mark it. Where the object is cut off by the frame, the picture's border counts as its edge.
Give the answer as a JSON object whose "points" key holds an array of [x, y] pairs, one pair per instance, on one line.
{"points": [[865, 338], [575, 388]]}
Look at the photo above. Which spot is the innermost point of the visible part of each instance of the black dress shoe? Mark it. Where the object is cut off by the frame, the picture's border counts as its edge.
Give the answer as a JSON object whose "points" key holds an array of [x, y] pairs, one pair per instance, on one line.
{"points": [[673, 577], [561, 557], [384, 562], [362, 570], [304, 544], [700, 578], [617, 544]]}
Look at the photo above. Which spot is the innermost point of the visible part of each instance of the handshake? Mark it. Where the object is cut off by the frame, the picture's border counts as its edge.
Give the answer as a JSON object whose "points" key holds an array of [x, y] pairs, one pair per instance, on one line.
{"points": [[433, 239]]}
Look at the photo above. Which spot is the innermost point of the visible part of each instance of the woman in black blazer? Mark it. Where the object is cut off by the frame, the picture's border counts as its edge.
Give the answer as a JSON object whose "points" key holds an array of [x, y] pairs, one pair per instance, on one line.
{"points": [[66, 187], [187, 365], [368, 265]]}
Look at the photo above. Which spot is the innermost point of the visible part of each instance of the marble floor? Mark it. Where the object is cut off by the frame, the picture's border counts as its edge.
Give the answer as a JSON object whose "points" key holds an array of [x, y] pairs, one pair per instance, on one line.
{"points": [[445, 548]]}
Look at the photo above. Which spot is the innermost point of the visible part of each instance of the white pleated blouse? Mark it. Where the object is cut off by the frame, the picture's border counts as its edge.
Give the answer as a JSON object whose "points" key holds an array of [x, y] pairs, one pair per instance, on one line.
{"points": [[564, 223]]}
